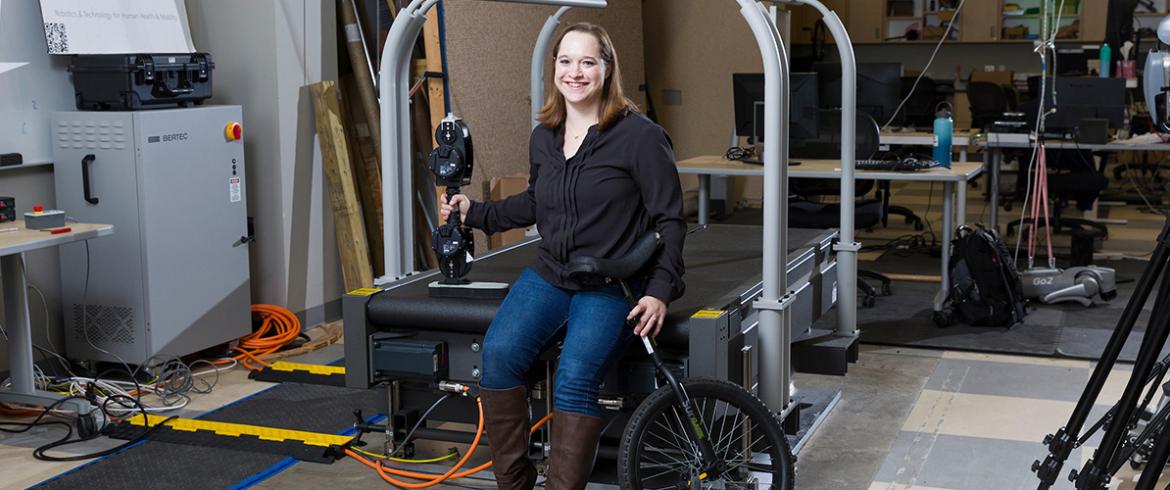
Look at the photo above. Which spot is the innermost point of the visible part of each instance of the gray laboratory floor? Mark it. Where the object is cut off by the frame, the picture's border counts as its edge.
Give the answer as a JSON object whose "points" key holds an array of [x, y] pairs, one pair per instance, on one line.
{"points": [[845, 453]]}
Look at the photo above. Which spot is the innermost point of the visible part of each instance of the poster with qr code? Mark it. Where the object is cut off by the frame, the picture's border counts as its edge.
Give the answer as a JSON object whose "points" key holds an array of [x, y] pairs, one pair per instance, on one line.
{"points": [[115, 26]]}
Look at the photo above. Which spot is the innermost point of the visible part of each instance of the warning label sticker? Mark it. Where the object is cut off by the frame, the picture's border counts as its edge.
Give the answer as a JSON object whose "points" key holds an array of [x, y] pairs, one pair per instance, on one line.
{"points": [[364, 291], [707, 314], [234, 189]]}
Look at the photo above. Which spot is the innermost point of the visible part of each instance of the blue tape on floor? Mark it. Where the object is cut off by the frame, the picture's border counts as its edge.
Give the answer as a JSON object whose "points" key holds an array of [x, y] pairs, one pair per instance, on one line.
{"points": [[287, 462], [95, 461]]}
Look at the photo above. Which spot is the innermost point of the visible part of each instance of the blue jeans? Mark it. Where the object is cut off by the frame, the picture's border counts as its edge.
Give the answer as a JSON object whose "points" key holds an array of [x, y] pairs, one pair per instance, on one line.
{"points": [[532, 315]]}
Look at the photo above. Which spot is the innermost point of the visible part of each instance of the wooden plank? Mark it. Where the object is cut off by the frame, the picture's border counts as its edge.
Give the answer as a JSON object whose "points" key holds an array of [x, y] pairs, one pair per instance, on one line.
{"points": [[347, 214], [319, 337], [434, 57], [367, 174], [361, 70]]}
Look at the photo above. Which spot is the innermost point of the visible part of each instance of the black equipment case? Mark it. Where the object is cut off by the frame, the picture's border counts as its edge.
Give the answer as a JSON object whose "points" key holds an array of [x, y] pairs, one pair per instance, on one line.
{"points": [[129, 82]]}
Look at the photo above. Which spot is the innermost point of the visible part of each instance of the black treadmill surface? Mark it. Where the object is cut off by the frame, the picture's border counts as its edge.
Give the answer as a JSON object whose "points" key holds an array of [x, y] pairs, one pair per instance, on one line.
{"points": [[718, 258]]}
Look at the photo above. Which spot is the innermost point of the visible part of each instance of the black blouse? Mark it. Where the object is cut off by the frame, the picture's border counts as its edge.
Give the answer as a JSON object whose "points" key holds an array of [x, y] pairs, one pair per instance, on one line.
{"points": [[621, 182]]}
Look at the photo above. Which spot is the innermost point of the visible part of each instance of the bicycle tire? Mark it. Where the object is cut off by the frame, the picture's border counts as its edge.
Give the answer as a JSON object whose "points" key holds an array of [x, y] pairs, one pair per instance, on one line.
{"points": [[706, 395]]}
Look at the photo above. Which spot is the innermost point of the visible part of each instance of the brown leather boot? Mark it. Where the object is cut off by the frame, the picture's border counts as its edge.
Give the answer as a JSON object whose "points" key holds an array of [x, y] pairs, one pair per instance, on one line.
{"points": [[574, 444], [506, 421]]}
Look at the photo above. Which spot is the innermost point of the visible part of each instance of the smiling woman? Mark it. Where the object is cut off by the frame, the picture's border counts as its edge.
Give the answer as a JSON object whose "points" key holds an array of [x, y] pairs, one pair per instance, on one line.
{"points": [[601, 175], [588, 82]]}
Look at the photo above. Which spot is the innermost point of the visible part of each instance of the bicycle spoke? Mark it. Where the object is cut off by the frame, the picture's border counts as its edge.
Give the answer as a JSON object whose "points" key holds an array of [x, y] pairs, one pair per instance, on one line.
{"points": [[663, 439], [656, 475], [758, 439], [735, 426], [686, 435], [747, 460], [722, 424], [659, 451], [678, 438]]}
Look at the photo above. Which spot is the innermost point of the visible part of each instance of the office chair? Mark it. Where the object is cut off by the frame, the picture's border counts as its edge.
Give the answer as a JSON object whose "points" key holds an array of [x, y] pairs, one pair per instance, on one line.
{"points": [[920, 106], [1072, 177], [1011, 97], [988, 102], [803, 212]]}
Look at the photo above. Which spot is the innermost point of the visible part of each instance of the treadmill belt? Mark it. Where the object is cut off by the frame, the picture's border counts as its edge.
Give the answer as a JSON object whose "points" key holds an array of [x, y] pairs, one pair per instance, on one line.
{"points": [[718, 258]]}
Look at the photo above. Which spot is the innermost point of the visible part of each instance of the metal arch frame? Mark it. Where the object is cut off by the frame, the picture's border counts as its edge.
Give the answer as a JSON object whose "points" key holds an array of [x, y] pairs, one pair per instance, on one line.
{"points": [[394, 102], [539, 54], [775, 318]]}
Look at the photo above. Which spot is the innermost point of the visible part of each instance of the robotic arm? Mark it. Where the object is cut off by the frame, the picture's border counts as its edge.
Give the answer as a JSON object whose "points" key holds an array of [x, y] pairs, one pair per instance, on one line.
{"points": [[1156, 80]]}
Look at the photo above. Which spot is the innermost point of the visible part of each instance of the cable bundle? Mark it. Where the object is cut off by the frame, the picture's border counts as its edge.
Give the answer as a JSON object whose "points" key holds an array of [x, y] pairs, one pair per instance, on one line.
{"points": [[430, 479], [278, 328]]}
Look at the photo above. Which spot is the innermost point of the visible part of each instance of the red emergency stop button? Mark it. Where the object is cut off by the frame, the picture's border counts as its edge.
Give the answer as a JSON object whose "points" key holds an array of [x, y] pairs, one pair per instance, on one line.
{"points": [[234, 131], [38, 208]]}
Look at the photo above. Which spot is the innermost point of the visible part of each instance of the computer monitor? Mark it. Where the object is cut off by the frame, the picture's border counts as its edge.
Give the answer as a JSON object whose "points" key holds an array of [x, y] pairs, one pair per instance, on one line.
{"points": [[1080, 98], [1073, 61], [748, 94], [879, 88]]}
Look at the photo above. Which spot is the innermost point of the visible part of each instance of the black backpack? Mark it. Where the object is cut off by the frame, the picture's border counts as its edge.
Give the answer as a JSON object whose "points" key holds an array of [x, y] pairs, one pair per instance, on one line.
{"points": [[985, 286]]}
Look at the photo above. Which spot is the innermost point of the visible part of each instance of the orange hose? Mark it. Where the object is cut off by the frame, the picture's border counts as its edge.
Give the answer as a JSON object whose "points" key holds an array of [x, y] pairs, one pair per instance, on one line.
{"points": [[278, 328], [434, 479], [389, 479]]}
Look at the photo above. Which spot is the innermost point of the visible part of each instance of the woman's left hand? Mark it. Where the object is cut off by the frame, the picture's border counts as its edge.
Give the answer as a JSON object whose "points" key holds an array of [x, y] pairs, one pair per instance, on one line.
{"points": [[650, 313]]}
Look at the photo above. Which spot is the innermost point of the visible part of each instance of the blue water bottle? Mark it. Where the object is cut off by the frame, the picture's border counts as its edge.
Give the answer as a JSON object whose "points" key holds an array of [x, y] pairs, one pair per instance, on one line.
{"points": [[943, 126], [1105, 58]]}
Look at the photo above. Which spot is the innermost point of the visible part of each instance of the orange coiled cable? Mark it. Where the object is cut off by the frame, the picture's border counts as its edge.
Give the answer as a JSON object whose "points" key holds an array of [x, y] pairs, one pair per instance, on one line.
{"points": [[278, 328]]}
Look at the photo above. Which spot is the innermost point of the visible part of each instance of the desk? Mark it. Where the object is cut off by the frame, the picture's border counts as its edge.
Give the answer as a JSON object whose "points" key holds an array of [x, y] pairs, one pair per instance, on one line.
{"points": [[959, 173], [20, 357], [959, 140], [994, 158]]}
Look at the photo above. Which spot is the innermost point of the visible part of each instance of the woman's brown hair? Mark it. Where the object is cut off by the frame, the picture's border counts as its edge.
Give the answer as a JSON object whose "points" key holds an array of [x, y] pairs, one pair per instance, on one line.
{"points": [[614, 103]]}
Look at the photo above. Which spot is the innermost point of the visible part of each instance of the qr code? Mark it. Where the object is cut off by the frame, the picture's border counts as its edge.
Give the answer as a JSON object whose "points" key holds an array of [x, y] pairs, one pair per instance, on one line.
{"points": [[57, 38]]}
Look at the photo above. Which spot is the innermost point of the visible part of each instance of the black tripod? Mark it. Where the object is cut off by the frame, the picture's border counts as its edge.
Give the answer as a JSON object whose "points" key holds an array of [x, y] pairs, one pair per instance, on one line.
{"points": [[1115, 446]]}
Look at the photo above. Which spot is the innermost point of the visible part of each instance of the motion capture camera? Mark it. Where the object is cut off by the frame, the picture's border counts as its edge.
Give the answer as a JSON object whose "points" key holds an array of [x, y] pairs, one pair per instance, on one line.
{"points": [[451, 163], [453, 160], [454, 243], [454, 246]]}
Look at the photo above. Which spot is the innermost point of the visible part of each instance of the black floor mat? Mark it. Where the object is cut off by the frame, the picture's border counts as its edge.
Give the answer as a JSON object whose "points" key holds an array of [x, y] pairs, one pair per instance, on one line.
{"points": [[154, 464], [1066, 330]]}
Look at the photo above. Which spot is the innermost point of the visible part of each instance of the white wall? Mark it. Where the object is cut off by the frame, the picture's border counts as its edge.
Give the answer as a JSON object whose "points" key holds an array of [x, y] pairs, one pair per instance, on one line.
{"points": [[265, 54], [28, 95]]}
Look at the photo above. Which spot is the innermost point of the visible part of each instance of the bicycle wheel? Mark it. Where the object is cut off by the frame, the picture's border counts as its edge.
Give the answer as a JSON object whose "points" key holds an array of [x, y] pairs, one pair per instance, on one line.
{"points": [[657, 451]]}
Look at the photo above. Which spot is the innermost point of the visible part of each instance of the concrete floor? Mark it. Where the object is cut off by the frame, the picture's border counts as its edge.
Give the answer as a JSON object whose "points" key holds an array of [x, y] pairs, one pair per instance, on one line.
{"points": [[877, 396], [845, 453], [882, 397]]}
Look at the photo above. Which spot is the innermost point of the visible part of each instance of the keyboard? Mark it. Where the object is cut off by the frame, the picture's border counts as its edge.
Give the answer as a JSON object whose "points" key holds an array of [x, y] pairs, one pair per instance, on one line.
{"points": [[900, 165]]}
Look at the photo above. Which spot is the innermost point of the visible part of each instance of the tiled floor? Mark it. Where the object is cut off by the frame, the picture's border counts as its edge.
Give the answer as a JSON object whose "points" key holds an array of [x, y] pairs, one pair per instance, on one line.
{"points": [[979, 421]]}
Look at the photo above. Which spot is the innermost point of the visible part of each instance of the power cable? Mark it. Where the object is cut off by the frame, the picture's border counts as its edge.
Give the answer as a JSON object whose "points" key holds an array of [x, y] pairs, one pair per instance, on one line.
{"points": [[929, 62]]}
